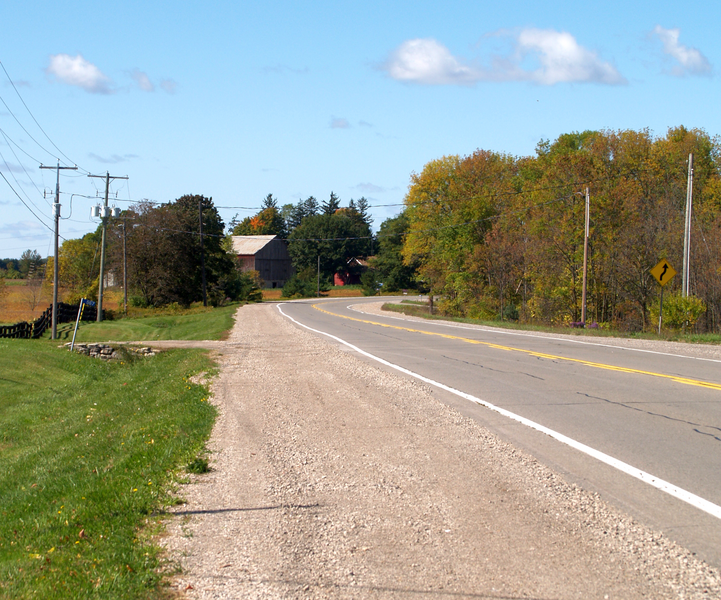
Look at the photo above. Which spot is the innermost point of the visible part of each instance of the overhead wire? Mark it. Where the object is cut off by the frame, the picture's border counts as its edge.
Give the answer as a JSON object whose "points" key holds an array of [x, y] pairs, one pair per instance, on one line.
{"points": [[23, 201], [35, 120], [24, 170]]}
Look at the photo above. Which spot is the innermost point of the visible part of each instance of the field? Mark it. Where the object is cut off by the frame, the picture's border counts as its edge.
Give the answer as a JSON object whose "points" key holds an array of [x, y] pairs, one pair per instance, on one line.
{"points": [[25, 302], [92, 452], [341, 291]]}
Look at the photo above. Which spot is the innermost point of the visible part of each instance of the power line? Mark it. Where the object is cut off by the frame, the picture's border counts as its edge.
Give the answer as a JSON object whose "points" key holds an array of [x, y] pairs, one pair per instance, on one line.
{"points": [[9, 139], [24, 170], [33, 118], [23, 201]]}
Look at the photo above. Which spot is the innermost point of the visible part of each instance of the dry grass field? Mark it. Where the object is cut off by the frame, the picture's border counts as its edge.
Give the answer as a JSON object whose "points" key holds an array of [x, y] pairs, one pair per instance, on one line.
{"points": [[336, 292], [25, 301]]}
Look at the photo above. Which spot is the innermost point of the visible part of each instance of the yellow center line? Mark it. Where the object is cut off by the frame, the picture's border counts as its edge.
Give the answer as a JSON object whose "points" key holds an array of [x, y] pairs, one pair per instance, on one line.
{"points": [[587, 363]]}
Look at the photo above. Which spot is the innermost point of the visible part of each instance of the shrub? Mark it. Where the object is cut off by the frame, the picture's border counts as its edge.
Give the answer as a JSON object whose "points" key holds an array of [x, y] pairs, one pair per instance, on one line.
{"points": [[679, 312], [370, 282]]}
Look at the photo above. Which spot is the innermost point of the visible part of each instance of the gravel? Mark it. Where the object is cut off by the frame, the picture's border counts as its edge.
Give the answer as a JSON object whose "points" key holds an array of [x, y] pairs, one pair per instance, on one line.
{"points": [[333, 479]]}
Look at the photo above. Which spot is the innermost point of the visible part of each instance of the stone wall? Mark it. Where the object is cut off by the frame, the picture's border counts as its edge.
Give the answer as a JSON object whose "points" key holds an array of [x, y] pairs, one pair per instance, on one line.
{"points": [[107, 352]]}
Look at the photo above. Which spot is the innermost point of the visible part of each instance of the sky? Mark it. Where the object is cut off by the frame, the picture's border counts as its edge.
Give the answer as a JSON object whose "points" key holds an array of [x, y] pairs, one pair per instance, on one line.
{"points": [[238, 100]]}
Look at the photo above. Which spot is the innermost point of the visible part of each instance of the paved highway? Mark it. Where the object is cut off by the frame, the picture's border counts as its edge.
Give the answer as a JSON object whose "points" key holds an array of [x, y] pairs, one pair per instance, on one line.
{"points": [[641, 428]]}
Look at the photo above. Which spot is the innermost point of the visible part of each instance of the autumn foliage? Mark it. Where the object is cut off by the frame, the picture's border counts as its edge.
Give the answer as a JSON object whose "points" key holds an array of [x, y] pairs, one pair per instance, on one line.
{"points": [[498, 236]]}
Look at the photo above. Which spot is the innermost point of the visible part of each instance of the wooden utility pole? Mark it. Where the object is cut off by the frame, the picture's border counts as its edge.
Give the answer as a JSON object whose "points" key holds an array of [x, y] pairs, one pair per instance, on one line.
{"points": [[105, 213], [125, 267], [687, 231], [202, 252], [585, 259], [56, 218]]}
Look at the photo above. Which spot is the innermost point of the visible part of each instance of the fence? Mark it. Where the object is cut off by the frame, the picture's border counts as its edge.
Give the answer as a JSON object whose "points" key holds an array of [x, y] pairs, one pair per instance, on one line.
{"points": [[33, 330]]}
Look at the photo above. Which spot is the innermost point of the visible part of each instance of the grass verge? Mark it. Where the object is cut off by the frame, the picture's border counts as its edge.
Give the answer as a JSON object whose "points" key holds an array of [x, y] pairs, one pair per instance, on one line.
{"points": [[204, 323], [420, 309], [90, 454]]}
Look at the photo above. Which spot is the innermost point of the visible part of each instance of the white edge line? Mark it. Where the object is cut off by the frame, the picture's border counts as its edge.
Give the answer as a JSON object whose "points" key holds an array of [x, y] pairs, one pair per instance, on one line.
{"points": [[677, 492], [557, 339]]}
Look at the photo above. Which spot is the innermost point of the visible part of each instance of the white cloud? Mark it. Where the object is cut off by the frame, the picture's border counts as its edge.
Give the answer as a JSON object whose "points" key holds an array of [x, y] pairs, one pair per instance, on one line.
{"points": [[143, 81], [558, 57], [169, 86], [79, 72], [114, 159], [369, 188], [339, 123], [689, 60], [13, 168], [428, 62], [563, 60]]}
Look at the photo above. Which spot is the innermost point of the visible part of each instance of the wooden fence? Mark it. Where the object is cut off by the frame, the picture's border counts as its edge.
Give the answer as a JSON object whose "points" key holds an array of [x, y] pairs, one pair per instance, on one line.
{"points": [[34, 329]]}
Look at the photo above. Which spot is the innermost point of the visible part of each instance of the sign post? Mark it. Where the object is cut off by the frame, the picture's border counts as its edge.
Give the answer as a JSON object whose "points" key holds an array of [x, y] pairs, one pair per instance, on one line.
{"points": [[81, 308], [663, 273]]}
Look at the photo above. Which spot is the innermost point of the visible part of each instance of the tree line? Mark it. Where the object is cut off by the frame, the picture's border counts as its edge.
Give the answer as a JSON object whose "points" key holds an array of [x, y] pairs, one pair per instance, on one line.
{"points": [[493, 236], [30, 265], [323, 237], [498, 236], [158, 248]]}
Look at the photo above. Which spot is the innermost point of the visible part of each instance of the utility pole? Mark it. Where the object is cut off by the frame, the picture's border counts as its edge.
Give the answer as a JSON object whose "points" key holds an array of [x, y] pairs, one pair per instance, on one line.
{"points": [[585, 259], [202, 251], [125, 267], [56, 217], [105, 213], [687, 231]]}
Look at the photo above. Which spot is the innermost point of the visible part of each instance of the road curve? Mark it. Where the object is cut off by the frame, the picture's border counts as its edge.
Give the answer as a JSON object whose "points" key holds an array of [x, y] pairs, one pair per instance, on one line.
{"points": [[653, 409]]}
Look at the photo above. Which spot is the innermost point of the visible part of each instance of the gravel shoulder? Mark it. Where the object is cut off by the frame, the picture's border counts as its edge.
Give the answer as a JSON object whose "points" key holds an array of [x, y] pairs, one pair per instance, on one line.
{"points": [[334, 479]]}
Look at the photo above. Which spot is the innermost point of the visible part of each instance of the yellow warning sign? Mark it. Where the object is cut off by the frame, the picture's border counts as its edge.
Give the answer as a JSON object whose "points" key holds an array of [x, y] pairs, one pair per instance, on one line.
{"points": [[663, 272]]}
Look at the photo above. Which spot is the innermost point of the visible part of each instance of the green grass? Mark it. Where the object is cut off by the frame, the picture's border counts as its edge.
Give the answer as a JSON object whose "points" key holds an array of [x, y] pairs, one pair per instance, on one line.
{"points": [[420, 309], [197, 324], [90, 452]]}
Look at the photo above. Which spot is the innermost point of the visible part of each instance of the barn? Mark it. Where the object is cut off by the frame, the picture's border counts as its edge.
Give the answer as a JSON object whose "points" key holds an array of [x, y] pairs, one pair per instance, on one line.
{"points": [[266, 254]]}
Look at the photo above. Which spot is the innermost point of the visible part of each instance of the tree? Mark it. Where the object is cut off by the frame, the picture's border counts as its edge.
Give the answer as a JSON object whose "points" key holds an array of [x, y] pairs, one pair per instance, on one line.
{"points": [[336, 238], [388, 262], [78, 267], [163, 249], [269, 221], [30, 263], [332, 205], [269, 202], [489, 231], [362, 207]]}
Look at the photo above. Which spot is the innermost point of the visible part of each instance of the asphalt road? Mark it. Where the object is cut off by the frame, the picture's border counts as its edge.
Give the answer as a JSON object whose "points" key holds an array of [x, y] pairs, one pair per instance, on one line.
{"points": [[650, 411]]}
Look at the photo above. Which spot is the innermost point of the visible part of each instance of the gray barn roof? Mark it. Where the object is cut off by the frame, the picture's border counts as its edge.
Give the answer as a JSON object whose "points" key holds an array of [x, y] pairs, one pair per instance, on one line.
{"points": [[248, 245]]}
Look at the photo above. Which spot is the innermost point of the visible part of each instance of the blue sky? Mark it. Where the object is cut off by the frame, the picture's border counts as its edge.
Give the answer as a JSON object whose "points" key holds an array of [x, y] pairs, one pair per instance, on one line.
{"points": [[235, 100]]}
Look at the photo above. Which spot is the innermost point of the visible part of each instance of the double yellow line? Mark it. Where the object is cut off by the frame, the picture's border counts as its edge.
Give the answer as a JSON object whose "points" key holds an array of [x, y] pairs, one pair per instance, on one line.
{"points": [[587, 363]]}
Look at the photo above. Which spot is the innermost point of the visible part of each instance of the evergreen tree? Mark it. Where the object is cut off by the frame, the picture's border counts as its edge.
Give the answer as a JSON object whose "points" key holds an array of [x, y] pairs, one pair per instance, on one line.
{"points": [[332, 205]]}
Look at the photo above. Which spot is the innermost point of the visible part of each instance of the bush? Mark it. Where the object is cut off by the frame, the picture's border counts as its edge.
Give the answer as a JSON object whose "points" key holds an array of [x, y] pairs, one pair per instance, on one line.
{"points": [[137, 301], [371, 285], [304, 285], [510, 312], [296, 287], [679, 312]]}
